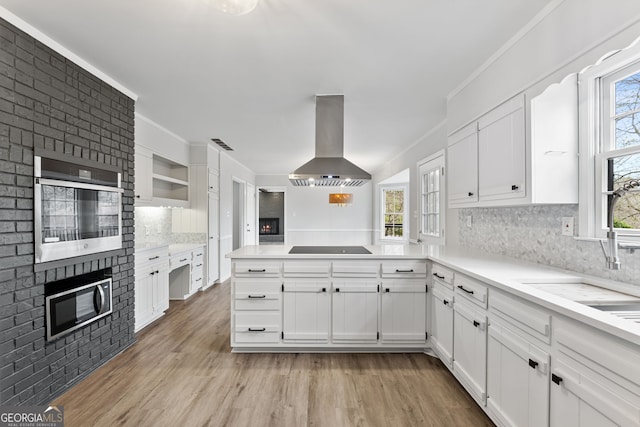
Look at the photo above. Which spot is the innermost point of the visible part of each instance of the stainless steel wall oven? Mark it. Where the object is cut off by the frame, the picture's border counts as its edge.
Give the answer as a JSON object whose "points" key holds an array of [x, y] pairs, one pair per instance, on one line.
{"points": [[73, 303], [78, 209]]}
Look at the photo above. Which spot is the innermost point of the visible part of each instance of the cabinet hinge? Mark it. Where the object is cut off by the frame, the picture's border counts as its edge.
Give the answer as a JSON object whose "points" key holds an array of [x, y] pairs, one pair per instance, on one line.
{"points": [[377, 335]]}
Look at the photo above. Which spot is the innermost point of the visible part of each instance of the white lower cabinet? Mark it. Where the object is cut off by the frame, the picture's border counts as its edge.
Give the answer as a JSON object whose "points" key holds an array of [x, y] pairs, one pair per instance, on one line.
{"points": [[151, 286], [403, 311], [595, 379], [517, 379], [442, 323], [470, 349], [306, 310], [354, 311]]}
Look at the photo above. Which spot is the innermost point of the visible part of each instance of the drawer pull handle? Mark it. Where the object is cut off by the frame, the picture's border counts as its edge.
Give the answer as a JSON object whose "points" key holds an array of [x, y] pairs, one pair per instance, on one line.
{"points": [[514, 188], [476, 323], [152, 273], [198, 265], [404, 271], [263, 270], [438, 276], [257, 329], [154, 257], [199, 279], [445, 302], [182, 260], [462, 288], [257, 296], [556, 379], [533, 363], [200, 254]]}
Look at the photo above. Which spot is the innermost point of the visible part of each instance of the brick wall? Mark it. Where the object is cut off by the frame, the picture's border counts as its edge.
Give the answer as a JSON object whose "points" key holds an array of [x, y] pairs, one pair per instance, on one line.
{"points": [[47, 103]]}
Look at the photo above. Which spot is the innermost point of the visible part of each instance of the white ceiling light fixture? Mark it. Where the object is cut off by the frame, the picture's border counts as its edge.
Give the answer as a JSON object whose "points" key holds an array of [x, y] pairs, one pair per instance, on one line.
{"points": [[234, 7]]}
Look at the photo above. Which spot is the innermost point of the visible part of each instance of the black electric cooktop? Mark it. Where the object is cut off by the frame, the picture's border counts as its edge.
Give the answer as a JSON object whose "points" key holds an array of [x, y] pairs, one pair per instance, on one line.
{"points": [[337, 250]]}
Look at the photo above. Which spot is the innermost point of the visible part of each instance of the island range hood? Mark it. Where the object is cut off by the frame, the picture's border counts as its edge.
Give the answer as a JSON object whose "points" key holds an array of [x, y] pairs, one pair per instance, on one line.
{"points": [[329, 168]]}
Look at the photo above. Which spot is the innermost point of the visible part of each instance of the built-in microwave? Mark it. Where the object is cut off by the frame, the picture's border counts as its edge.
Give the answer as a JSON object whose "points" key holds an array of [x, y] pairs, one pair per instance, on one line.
{"points": [[77, 209], [73, 303]]}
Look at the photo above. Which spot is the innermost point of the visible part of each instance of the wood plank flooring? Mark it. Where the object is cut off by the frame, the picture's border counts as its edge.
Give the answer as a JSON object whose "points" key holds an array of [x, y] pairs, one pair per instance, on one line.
{"points": [[181, 373]]}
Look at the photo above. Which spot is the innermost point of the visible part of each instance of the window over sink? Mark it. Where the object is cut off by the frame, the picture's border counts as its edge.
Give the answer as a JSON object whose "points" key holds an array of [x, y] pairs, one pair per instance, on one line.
{"points": [[610, 144]]}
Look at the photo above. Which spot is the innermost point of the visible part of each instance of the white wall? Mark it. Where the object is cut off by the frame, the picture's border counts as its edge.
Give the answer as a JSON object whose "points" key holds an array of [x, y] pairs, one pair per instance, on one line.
{"points": [[571, 36], [311, 220]]}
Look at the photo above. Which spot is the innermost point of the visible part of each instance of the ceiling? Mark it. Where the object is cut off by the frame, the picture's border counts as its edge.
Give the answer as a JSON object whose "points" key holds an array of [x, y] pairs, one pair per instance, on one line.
{"points": [[251, 80]]}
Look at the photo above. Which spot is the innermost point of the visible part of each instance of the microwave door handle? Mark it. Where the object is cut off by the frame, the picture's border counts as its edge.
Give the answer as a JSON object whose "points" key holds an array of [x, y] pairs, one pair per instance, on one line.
{"points": [[99, 304]]}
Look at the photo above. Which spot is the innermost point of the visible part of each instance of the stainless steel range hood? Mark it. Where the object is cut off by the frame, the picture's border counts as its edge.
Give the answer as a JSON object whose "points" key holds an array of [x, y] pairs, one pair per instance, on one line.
{"points": [[329, 168]]}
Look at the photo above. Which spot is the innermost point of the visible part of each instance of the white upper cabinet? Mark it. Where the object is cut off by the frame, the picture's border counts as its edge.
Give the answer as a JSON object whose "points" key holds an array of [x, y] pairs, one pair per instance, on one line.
{"points": [[501, 152], [160, 181], [462, 158], [526, 152]]}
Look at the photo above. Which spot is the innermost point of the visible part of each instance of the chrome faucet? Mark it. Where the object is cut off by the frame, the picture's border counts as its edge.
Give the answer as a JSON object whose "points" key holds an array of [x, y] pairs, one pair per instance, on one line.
{"points": [[613, 260]]}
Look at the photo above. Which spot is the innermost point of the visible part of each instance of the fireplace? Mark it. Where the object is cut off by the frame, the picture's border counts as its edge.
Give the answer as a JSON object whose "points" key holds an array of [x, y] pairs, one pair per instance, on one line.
{"points": [[269, 226]]}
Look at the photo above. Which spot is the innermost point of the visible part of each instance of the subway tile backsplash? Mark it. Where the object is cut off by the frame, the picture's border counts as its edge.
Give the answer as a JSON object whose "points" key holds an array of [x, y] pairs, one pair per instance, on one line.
{"points": [[534, 234]]}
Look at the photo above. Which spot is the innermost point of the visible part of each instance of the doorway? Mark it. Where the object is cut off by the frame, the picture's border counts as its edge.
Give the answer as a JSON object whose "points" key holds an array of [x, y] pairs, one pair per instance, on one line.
{"points": [[271, 216], [244, 214]]}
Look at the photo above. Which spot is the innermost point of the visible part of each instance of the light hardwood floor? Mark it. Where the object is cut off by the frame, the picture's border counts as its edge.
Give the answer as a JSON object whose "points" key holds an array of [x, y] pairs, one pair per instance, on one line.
{"points": [[181, 373]]}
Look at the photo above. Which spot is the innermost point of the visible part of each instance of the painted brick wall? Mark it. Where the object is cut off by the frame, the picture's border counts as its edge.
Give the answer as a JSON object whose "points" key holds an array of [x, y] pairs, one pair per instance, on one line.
{"points": [[49, 103]]}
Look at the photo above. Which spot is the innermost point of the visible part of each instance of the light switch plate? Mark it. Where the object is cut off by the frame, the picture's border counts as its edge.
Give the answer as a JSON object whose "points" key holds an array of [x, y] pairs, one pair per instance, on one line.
{"points": [[567, 226]]}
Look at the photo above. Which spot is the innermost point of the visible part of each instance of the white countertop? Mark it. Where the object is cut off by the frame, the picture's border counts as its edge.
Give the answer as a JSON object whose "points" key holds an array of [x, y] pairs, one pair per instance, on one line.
{"points": [[178, 248], [517, 277], [377, 252]]}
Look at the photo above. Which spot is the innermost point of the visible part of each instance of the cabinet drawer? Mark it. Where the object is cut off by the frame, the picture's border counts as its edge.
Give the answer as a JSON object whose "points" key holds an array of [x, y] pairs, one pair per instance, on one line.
{"points": [[356, 269], [258, 296], [532, 320], [180, 260], [443, 274], [257, 327], [306, 269], [198, 256], [256, 268], [150, 256], [471, 290], [404, 286], [404, 269]]}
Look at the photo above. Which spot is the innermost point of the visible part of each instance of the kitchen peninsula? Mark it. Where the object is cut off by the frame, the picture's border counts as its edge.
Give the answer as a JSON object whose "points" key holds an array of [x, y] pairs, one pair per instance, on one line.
{"points": [[326, 298]]}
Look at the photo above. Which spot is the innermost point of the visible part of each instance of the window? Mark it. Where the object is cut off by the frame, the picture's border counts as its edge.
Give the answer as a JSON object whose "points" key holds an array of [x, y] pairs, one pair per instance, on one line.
{"points": [[610, 144], [393, 212], [431, 172]]}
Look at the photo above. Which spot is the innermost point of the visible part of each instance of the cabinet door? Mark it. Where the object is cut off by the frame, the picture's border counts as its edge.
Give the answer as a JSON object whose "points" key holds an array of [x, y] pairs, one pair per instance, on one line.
{"points": [[143, 298], [143, 175], [355, 311], [578, 401], [517, 380], [442, 326], [161, 290], [470, 350], [462, 164], [501, 152], [213, 251], [403, 311], [306, 309]]}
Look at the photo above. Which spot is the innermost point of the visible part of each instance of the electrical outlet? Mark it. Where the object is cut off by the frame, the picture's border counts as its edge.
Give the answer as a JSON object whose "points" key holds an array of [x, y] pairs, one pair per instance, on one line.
{"points": [[567, 226], [468, 220]]}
